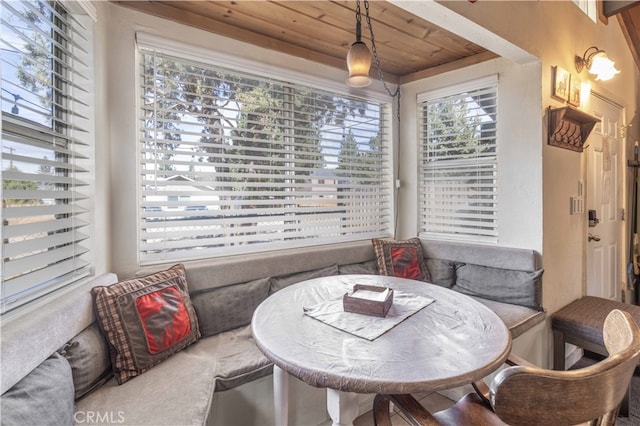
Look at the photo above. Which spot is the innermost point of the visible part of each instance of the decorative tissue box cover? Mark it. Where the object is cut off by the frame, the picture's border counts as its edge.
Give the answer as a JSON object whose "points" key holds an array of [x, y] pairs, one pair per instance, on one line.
{"points": [[368, 300]]}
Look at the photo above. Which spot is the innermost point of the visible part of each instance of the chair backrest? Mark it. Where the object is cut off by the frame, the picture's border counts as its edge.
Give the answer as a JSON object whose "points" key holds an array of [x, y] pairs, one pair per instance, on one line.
{"points": [[534, 396]]}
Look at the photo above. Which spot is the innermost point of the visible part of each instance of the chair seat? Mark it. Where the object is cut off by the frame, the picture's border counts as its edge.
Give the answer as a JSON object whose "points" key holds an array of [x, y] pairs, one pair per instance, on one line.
{"points": [[469, 410]]}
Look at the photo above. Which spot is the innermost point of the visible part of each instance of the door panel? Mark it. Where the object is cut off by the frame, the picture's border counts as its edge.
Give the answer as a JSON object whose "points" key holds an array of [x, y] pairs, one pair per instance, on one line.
{"points": [[605, 264]]}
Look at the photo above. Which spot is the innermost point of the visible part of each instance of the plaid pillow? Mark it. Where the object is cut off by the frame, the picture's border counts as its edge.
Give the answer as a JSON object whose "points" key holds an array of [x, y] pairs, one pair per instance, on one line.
{"points": [[146, 320], [402, 259]]}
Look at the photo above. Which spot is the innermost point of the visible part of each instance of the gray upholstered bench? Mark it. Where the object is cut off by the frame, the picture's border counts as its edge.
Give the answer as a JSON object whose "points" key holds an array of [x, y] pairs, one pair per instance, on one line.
{"points": [[580, 323]]}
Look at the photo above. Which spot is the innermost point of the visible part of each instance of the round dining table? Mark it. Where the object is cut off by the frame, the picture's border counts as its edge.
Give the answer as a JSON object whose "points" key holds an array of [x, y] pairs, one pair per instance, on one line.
{"points": [[452, 341]]}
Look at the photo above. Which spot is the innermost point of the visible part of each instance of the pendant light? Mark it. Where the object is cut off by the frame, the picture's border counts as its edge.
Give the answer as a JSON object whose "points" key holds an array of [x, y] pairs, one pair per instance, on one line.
{"points": [[358, 57]]}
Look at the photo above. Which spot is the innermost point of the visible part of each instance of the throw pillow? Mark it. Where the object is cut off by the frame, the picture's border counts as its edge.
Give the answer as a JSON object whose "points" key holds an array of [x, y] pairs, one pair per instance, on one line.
{"points": [[146, 320], [43, 397], [402, 259], [502, 285], [229, 307], [88, 355], [280, 282]]}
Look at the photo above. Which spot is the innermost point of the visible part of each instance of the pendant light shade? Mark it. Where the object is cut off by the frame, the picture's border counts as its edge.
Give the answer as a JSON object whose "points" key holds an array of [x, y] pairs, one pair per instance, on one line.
{"points": [[359, 62]]}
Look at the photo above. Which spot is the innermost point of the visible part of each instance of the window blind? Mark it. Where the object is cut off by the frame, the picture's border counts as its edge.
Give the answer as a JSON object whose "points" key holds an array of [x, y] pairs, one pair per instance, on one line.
{"points": [[233, 162], [458, 162], [45, 110]]}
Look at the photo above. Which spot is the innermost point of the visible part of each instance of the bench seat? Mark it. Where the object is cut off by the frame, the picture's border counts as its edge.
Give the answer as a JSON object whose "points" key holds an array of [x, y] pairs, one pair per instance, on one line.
{"points": [[156, 392], [518, 319]]}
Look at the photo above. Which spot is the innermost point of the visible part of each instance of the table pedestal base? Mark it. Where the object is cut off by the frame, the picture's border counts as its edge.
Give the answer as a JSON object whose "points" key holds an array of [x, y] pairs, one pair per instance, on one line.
{"points": [[342, 406], [281, 396]]}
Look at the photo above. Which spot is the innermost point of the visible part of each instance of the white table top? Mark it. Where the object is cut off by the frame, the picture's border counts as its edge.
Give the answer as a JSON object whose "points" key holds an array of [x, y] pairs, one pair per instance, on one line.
{"points": [[451, 342]]}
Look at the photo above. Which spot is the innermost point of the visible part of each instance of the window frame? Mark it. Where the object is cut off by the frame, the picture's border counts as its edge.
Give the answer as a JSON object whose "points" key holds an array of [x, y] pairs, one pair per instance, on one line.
{"points": [[490, 81], [73, 95]]}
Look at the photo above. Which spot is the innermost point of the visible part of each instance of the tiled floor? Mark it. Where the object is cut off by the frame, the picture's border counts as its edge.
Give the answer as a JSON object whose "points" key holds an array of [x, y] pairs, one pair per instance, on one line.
{"points": [[433, 402]]}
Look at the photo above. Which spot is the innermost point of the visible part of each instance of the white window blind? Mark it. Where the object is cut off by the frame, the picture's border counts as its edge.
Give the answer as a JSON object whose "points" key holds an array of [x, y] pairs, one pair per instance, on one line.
{"points": [[45, 110], [458, 161], [233, 162]]}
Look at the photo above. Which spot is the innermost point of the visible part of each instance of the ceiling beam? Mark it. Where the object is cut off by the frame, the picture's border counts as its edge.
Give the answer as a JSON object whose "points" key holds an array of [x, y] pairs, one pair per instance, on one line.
{"points": [[446, 18]]}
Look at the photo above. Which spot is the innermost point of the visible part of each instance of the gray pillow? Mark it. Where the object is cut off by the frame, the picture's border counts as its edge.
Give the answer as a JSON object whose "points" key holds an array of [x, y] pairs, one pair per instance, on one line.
{"points": [[278, 283], [442, 272], [225, 308], [43, 397], [368, 267], [502, 285], [88, 355]]}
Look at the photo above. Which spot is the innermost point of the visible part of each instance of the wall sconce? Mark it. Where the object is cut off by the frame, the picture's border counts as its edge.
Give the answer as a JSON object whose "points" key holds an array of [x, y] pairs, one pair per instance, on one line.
{"points": [[597, 62], [358, 57]]}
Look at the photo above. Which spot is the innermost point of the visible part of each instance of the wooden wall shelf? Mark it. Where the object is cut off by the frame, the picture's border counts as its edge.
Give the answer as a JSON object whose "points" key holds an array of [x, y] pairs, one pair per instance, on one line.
{"points": [[569, 127]]}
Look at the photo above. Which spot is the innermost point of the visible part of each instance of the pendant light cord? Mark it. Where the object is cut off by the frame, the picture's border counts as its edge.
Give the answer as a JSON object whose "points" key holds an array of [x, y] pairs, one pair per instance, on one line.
{"points": [[393, 94], [375, 54]]}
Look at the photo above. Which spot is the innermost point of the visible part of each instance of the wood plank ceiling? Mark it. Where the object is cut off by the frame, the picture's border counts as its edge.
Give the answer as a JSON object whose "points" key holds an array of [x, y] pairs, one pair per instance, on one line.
{"points": [[322, 31], [409, 47]]}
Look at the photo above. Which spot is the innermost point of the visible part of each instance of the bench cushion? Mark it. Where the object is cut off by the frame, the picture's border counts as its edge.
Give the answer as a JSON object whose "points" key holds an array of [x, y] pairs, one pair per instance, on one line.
{"points": [[177, 391], [518, 319], [238, 360]]}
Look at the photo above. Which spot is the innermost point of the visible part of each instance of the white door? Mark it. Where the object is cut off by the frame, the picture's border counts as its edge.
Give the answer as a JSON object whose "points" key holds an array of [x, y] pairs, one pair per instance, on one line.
{"points": [[606, 255]]}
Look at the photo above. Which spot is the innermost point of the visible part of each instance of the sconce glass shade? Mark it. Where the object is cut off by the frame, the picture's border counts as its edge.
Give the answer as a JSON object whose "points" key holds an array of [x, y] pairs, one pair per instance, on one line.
{"points": [[598, 63], [603, 67], [359, 62]]}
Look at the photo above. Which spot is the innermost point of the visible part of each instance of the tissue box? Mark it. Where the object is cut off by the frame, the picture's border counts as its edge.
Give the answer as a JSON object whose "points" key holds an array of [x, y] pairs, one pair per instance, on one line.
{"points": [[368, 300]]}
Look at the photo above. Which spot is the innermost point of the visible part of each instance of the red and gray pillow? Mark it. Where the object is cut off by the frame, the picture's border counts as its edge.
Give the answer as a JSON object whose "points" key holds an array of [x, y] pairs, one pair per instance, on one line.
{"points": [[402, 259], [146, 320]]}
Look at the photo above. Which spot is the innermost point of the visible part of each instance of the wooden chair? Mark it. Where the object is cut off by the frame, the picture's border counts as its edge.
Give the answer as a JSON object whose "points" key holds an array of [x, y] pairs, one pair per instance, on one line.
{"points": [[524, 394]]}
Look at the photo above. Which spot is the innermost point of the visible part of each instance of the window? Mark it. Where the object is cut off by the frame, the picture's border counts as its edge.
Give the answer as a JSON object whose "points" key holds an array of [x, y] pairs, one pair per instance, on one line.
{"points": [[589, 7], [45, 110], [458, 161], [236, 162]]}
